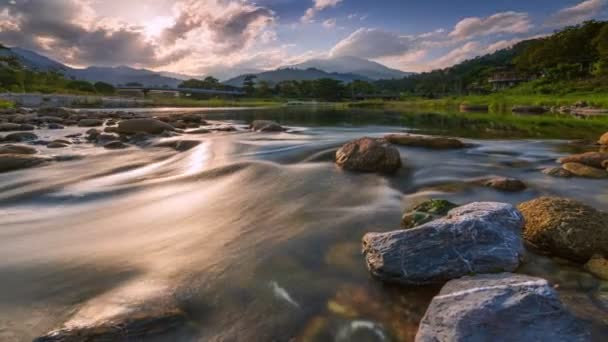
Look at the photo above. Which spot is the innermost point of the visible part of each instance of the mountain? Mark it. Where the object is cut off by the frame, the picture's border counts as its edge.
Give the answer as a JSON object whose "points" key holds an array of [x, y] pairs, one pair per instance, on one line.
{"points": [[292, 74], [353, 65], [113, 75]]}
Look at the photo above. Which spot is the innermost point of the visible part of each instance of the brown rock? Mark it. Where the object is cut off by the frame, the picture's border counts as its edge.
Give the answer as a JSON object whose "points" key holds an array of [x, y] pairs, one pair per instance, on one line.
{"points": [[150, 126], [598, 266], [582, 170], [565, 228], [557, 172], [56, 144], [505, 184], [593, 159], [369, 155], [424, 141], [17, 149], [90, 123], [603, 139], [20, 137], [11, 162]]}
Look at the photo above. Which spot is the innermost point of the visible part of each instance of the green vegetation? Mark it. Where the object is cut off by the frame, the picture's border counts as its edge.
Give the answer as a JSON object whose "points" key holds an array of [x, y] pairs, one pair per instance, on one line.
{"points": [[6, 104], [192, 102]]}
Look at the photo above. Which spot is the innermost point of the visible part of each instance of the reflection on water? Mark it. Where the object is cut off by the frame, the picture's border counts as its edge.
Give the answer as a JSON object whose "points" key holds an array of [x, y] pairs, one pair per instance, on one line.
{"points": [[254, 236]]}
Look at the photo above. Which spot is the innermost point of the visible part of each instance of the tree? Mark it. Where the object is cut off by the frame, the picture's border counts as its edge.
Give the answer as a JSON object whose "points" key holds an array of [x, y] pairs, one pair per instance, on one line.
{"points": [[249, 84], [83, 86], [328, 89], [104, 88], [134, 84], [263, 89]]}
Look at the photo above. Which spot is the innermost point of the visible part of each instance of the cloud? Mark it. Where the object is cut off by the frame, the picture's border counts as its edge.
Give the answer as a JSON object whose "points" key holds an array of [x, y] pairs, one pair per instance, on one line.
{"points": [[372, 43], [505, 22], [319, 5], [576, 14], [329, 23]]}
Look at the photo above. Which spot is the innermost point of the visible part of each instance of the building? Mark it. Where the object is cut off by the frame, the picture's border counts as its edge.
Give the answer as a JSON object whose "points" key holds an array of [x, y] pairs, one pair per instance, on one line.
{"points": [[507, 77]]}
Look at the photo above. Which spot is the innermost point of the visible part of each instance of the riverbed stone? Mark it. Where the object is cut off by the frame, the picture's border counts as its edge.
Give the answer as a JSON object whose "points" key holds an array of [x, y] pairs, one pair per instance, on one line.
{"points": [[20, 137], [530, 109], [604, 139], [481, 237], [598, 266], [266, 126], [565, 228], [582, 170], [179, 145], [115, 145], [7, 127], [150, 126], [558, 172], [499, 307], [57, 144], [17, 149], [11, 162], [426, 211], [369, 155], [433, 142], [90, 123], [505, 184], [593, 159]]}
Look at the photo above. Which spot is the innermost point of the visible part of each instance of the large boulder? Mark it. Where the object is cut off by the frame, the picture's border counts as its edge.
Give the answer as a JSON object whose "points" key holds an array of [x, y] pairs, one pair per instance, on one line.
{"points": [[11, 162], [582, 170], [150, 126], [266, 126], [20, 137], [424, 141], [369, 155], [593, 159], [499, 307], [482, 237], [603, 139], [17, 149], [565, 228]]}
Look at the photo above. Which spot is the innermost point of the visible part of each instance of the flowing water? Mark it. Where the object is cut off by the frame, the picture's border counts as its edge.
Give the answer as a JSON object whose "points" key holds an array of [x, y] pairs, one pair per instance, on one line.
{"points": [[256, 236]]}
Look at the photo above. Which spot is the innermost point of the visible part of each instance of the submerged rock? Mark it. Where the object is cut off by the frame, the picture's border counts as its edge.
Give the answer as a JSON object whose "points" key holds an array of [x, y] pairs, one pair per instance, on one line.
{"points": [[593, 159], [482, 237], [20, 137], [565, 228], [505, 184], [424, 141], [529, 109], [582, 170], [150, 126], [90, 123], [17, 149], [115, 145], [499, 307], [603, 139], [368, 155], [57, 144], [598, 266], [266, 126], [559, 172], [179, 145], [7, 127], [11, 162], [137, 326], [426, 212]]}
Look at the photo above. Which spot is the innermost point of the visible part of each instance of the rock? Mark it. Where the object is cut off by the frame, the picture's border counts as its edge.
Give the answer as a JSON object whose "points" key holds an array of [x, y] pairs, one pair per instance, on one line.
{"points": [[467, 108], [90, 123], [54, 126], [57, 144], [559, 172], [92, 134], [20, 137], [223, 128], [7, 127], [482, 237], [54, 111], [593, 159], [11, 162], [150, 126], [50, 119], [179, 145], [505, 184], [368, 155], [582, 170], [111, 129], [603, 139], [115, 145], [199, 131], [104, 138], [598, 266], [17, 149], [424, 141], [138, 326], [266, 126], [194, 119], [499, 307], [426, 212], [529, 109], [565, 228]]}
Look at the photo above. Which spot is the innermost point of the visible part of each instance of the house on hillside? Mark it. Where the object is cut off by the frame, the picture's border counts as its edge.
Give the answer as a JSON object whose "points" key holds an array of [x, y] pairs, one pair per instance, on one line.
{"points": [[507, 77]]}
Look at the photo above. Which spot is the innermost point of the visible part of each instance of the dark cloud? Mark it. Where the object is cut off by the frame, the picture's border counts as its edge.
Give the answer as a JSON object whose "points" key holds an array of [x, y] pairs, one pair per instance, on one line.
{"points": [[53, 27]]}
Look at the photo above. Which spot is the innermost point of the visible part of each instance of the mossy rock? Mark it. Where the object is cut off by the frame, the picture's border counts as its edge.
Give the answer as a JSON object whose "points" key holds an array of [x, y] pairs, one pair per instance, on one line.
{"points": [[426, 212]]}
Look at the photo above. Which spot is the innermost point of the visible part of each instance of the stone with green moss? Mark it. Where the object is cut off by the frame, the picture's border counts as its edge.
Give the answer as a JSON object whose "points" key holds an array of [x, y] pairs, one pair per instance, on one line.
{"points": [[426, 212]]}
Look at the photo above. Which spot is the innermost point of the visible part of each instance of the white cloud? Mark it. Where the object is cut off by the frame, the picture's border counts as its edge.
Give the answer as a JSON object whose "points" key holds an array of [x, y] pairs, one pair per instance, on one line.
{"points": [[329, 23], [372, 43], [505, 22], [319, 5], [576, 14]]}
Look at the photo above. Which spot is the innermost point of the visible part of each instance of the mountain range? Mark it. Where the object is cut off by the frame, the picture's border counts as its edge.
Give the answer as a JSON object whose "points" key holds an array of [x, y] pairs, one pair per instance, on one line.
{"points": [[345, 69]]}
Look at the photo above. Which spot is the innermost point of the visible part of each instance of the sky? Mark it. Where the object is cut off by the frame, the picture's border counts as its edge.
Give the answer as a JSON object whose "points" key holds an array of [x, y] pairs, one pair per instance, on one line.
{"points": [[228, 37]]}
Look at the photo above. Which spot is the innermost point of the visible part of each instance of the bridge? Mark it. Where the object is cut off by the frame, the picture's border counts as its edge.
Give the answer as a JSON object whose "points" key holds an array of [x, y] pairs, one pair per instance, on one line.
{"points": [[146, 90]]}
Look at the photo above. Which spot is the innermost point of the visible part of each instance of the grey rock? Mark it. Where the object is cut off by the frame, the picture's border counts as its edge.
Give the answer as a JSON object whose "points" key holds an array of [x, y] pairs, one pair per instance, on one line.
{"points": [[7, 127], [90, 123], [499, 307], [11, 162], [20, 137], [150, 126], [369, 155], [115, 145], [17, 149], [481, 237]]}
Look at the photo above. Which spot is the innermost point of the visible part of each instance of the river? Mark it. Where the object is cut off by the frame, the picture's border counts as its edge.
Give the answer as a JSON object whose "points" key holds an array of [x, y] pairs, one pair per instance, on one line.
{"points": [[256, 236]]}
